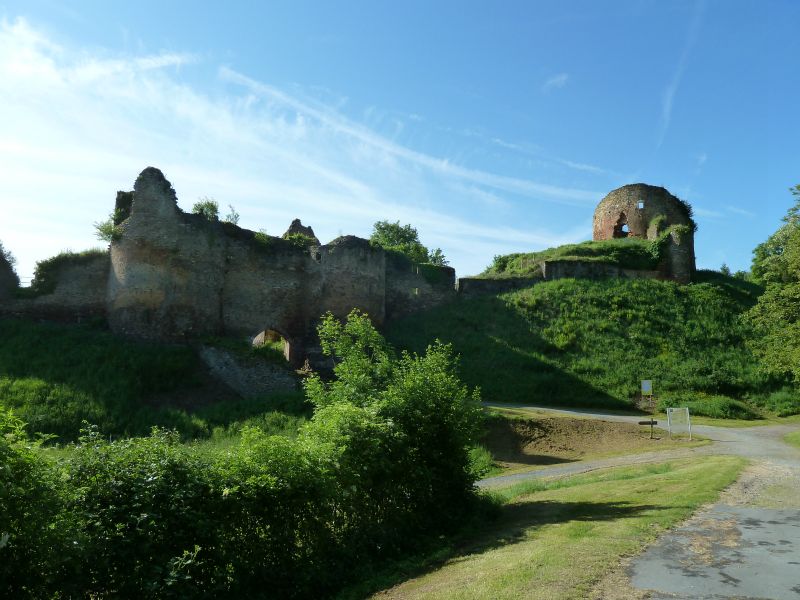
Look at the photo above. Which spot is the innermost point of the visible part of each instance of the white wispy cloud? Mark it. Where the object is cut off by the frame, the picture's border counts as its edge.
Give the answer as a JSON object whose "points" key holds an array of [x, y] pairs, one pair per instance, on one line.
{"points": [[668, 98], [555, 82], [740, 211], [701, 159], [77, 126]]}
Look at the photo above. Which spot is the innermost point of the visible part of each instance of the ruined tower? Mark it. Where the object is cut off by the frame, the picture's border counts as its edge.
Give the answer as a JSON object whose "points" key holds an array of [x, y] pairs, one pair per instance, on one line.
{"points": [[649, 212]]}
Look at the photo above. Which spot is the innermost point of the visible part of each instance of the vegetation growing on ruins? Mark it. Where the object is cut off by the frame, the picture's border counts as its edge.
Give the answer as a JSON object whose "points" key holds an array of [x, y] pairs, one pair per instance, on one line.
{"points": [[382, 466], [109, 230], [580, 342], [45, 274], [404, 240], [206, 207], [629, 253]]}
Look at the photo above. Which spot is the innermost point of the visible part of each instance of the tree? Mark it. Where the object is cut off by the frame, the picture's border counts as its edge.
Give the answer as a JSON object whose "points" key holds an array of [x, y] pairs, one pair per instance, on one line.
{"points": [[404, 239], [776, 315], [7, 256], [207, 207], [776, 258], [437, 258]]}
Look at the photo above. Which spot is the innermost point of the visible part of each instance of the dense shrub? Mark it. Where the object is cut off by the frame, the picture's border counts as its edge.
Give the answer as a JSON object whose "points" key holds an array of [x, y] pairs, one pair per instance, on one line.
{"points": [[718, 407], [45, 275], [383, 464], [34, 527]]}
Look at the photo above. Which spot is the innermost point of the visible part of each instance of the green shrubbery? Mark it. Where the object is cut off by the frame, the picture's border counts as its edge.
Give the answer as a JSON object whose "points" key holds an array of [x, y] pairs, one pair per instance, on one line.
{"points": [[382, 465], [717, 407]]}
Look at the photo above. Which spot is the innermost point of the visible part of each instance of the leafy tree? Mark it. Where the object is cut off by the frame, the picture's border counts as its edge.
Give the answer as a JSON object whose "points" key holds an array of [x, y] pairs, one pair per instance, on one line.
{"points": [[7, 256], [725, 270], [207, 207], [774, 260], [437, 258], [403, 239], [776, 316]]}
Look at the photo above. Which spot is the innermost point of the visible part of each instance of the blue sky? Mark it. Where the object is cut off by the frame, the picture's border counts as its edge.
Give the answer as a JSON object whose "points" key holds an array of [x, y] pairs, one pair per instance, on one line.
{"points": [[492, 127]]}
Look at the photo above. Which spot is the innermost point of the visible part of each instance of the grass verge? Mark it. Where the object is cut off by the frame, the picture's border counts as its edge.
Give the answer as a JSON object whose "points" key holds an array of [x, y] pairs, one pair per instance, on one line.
{"points": [[793, 439], [555, 539]]}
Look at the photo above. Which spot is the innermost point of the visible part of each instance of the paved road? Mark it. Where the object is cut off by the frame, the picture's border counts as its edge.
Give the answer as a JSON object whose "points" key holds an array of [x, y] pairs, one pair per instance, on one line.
{"points": [[745, 546]]}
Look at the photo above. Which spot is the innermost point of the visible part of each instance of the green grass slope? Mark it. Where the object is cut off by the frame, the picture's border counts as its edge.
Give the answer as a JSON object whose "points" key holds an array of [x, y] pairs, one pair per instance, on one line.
{"points": [[589, 343], [55, 377]]}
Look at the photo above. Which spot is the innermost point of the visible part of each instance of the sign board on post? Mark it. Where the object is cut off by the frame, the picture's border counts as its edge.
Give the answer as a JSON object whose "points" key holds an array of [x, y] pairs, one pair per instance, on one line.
{"points": [[647, 387]]}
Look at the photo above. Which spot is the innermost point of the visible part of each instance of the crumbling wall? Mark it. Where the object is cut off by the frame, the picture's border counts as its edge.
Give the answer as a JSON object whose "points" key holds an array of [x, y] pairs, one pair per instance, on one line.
{"points": [[411, 287], [76, 290], [641, 206], [477, 286], [647, 212], [177, 276], [680, 254], [577, 269], [167, 267]]}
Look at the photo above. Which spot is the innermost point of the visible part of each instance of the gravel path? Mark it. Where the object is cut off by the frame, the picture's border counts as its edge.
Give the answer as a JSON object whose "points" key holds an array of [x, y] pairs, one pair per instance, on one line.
{"points": [[747, 545]]}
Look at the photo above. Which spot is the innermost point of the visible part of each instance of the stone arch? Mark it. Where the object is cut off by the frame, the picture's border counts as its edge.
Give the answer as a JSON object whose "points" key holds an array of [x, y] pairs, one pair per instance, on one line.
{"points": [[621, 228], [276, 339]]}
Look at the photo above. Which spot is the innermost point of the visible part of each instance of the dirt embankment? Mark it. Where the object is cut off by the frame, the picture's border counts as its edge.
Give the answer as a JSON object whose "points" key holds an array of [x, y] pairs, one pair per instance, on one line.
{"points": [[546, 441]]}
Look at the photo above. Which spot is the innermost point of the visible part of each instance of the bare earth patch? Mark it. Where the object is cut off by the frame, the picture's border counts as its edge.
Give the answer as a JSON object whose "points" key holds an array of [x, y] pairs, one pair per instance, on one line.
{"points": [[519, 444]]}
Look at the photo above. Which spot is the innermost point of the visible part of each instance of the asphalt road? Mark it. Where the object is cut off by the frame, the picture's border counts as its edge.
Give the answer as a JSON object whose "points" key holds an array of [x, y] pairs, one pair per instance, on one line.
{"points": [[745, 546]]}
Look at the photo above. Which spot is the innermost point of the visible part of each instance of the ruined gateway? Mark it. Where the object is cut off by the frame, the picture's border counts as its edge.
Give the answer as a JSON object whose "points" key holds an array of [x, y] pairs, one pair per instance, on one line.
{"points": [[179, 277]]}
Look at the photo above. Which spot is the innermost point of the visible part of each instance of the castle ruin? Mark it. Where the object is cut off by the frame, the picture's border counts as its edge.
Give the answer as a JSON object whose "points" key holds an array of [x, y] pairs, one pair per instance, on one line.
{"points": [[179, 277]]}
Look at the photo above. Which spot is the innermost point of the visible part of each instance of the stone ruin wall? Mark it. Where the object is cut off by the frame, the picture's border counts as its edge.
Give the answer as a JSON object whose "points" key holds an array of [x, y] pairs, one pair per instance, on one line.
{"points": [[79, 293], [175, 276], [648, 211]]}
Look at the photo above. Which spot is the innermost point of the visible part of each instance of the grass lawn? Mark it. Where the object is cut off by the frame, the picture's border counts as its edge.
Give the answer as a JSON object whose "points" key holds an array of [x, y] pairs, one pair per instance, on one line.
{"points": [[555, 539], [793, 439]]}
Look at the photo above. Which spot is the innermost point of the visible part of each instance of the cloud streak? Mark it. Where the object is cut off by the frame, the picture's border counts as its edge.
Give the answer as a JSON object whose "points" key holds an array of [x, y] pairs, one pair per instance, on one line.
{"points": [[668, 98], [555, 82], [77, 127]]}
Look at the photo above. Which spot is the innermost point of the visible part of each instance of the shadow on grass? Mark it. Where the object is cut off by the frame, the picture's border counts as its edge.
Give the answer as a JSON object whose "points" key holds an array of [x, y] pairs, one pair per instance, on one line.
{"points": [[511, 524], [500, 353]]}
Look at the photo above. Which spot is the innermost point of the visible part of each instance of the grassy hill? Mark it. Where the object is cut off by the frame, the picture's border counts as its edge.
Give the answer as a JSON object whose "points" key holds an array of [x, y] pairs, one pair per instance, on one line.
{"points": [[589, 343]]}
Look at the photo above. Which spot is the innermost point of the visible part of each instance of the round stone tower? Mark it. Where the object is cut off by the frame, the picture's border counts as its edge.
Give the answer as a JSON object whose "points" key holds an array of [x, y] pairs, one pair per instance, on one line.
{"points": [[639, 210], [647, 211]]}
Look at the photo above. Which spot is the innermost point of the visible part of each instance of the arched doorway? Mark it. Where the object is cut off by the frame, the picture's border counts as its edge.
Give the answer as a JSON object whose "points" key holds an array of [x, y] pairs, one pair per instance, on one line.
{"points": [[273, 343]]}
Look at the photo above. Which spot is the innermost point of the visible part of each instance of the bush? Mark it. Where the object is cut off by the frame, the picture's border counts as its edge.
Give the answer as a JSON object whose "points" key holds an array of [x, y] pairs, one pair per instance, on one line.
{"points": [[148, 517], [207, 208], [717, 407], [383, 465], [34, 528], [784, 402]]}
